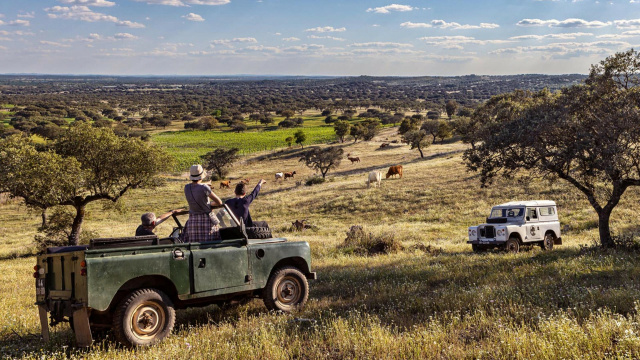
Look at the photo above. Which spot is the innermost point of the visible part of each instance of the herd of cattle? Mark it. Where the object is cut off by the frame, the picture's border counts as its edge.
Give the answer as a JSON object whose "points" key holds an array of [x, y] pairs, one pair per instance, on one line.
{"points": [[375, 177]]}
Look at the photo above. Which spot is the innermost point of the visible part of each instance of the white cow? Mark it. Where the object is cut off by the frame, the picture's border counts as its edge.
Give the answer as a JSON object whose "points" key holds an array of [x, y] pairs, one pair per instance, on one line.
{"points": [[279, 176], [374, 177]]}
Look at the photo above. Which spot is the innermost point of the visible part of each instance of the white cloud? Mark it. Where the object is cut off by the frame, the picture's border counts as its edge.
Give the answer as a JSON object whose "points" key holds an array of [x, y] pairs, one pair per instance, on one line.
{"points": [[323, 29], [454, 42], [1, 22], [326, 37], [228, 42], [185, 2], [99, 3], [568, 23], [193, 17], [635, 23], [52, 43], [567, 49], [28, 15], [564, 36], [19, 23], [124, 36], [379, 44], [448, 25], [291, 39], [393, 7], [83, 13]]}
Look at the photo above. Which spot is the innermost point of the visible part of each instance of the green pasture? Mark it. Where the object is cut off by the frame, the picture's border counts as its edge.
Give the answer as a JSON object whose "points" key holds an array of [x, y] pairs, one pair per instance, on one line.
{"points": [[188, 145]]}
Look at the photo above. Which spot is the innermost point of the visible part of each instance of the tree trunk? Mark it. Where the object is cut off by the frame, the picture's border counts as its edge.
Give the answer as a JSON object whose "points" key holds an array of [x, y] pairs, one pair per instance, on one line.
{"points": [[44, 217], [421, 154], [76, 228], [604, 230]]}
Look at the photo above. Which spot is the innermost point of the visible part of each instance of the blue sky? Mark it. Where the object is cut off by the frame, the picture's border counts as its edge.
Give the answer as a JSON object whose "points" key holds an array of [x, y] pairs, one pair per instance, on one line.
{"points": [[322, 37]]}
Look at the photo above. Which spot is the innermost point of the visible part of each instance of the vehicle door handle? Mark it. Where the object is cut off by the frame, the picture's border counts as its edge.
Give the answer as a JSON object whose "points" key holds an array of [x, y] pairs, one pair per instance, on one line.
{"points": [[202, 263]]}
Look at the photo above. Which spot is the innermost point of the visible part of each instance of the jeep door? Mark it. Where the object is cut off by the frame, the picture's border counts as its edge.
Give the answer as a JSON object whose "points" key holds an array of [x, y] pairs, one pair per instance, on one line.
{"points": [[533, 226], [224, 263]]}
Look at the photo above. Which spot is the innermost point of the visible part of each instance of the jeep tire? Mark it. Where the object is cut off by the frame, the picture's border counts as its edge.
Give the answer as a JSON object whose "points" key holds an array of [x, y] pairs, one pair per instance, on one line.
{"points": [[512, 245], [547, 243], [258, 232], [143, 317], [286, 290]]}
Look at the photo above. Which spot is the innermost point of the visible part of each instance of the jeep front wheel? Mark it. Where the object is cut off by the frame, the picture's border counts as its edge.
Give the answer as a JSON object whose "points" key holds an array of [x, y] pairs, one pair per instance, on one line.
{"points": [[144, 317], [512, 245], [286, 290], [547, 243]]}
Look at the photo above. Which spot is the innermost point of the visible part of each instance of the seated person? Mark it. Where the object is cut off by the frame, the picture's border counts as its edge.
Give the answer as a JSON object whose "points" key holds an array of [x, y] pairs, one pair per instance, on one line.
{"points": [[149, 222], [240, 204]]}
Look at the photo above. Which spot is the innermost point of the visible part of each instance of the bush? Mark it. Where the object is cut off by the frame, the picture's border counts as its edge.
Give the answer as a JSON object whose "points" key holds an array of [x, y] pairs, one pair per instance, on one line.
{"points": [[361, 242], [314, 180]]}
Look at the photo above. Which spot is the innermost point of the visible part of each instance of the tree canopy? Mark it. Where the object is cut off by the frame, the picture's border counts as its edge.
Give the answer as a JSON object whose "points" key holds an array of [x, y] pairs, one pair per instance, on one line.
{"points": [[323, 159], [219, 161], [84, 164]]}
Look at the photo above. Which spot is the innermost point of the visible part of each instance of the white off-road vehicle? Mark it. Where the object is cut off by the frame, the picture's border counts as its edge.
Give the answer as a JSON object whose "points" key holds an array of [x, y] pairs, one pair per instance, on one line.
{"points": [[513, 224]]}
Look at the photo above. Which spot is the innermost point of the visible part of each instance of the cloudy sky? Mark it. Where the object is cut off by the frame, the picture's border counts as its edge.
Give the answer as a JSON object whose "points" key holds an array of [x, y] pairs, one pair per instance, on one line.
{"points": [[313, 37]]}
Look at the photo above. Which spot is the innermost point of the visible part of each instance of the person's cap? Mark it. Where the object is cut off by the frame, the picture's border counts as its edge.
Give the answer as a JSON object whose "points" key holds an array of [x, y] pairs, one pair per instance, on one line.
{"points": [[196, 172]]}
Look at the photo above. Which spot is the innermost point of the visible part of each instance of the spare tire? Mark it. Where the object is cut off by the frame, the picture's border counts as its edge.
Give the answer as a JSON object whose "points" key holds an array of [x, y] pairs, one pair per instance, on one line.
{"points": [[258, 232]]}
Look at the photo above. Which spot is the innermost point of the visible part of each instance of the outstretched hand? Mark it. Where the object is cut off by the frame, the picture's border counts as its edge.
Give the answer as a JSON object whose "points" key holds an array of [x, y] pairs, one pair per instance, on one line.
{"points": [[262, 182]]}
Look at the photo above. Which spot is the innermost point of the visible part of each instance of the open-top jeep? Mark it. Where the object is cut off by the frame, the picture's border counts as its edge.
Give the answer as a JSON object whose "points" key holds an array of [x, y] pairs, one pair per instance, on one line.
{"points": [[513, 224], [133, 285]]}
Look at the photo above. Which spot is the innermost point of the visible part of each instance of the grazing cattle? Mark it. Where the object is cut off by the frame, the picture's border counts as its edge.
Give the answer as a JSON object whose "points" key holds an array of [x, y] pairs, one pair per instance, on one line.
{"points": [[384, 145], [395, 170], [245, 181], [353, 159], [289, 175], [300, 225], [279, 176], [374, 177], [225, 184]]}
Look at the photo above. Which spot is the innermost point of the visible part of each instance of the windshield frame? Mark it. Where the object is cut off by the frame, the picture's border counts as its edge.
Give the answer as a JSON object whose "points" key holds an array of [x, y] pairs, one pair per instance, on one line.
{"points": [[214, 208], [504, 211]]}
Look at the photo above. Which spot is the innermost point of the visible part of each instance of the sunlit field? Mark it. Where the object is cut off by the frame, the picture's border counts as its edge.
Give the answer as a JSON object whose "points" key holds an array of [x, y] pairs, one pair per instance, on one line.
{"points": [[434, 298]]}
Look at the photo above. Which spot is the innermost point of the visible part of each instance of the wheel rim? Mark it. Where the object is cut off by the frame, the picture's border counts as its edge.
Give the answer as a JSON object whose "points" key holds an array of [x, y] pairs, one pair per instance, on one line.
{"points": [[147, 320], [288, 291], [548, 242], [512, 246]]}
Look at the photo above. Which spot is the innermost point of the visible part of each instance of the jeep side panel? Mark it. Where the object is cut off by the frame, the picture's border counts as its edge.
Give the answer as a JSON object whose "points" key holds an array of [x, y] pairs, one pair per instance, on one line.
{"points": [[264, 255]]}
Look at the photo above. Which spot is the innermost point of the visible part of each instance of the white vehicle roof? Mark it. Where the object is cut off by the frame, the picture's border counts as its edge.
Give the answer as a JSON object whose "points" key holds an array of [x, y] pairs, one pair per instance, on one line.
{"points": [[529, 203]]}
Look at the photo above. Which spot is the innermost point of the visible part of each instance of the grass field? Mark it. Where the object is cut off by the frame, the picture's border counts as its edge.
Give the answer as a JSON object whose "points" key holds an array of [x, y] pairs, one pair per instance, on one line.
{"points": [[187, 146], [437, 300]]}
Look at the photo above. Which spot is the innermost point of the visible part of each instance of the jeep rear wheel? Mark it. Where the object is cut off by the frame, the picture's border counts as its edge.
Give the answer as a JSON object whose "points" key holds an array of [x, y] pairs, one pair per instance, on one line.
{"points": [[144, 317], [286, 290], [512, 245], [547, 243]]}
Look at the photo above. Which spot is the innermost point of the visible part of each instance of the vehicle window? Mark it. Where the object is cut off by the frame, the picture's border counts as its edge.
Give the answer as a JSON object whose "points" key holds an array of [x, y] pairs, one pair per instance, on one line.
{"points": [[225, 219], [507, 212], [547, 211], [532, 213]]}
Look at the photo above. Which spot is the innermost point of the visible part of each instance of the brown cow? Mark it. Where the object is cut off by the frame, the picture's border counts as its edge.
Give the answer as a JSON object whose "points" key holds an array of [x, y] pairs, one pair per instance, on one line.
{"points": [[225, 184], [353, 159], [384, 145], [245, 181], [289, 175], [394, 170]]}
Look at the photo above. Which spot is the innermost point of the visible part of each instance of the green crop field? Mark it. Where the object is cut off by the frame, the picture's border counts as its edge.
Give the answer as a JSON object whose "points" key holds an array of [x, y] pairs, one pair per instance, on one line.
{"points": [[187, 146]]}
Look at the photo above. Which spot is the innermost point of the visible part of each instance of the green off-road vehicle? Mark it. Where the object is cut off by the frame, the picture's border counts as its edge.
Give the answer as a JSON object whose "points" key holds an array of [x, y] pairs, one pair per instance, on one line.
{"points": [[133, 285]]}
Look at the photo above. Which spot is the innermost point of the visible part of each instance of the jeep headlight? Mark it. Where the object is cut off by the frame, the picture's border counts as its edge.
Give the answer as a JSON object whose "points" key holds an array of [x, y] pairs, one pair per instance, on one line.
{"points": [[500, 232], [473, 233]]}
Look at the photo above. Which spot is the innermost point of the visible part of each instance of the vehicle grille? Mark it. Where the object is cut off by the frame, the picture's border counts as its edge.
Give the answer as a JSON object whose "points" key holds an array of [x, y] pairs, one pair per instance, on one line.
{"points": [[487, 232]]}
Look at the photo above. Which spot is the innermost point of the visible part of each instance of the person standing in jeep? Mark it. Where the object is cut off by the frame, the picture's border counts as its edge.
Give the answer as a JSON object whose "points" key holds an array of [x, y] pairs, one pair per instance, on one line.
{"points": [[240, 204]]}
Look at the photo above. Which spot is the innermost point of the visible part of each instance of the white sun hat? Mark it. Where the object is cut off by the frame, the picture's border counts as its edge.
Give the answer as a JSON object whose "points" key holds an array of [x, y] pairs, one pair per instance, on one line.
{"points": [[197, 172]]}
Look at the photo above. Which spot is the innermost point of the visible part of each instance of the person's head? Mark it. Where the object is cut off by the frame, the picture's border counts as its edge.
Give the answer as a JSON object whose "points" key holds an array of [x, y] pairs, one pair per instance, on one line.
{"points": [[148, 220], [197, 173], [241, 189]]}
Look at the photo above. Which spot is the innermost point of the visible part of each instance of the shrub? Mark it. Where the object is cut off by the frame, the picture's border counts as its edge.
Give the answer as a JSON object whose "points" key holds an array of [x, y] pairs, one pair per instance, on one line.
{"points": [[314, 180], [361, 242]]}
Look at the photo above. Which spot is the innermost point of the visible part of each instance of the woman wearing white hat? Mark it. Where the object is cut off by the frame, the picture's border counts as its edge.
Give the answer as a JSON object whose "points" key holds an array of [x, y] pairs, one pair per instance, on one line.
{"points": [[202, 225]]}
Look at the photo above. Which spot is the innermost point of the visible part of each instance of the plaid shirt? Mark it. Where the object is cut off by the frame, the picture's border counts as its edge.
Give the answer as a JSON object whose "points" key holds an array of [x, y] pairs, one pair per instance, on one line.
{"points": [[200, 228]]}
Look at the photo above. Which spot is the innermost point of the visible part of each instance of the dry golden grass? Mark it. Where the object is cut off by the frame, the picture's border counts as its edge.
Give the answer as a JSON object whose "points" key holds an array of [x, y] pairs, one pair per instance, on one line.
{"points": [[573, 302]]}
